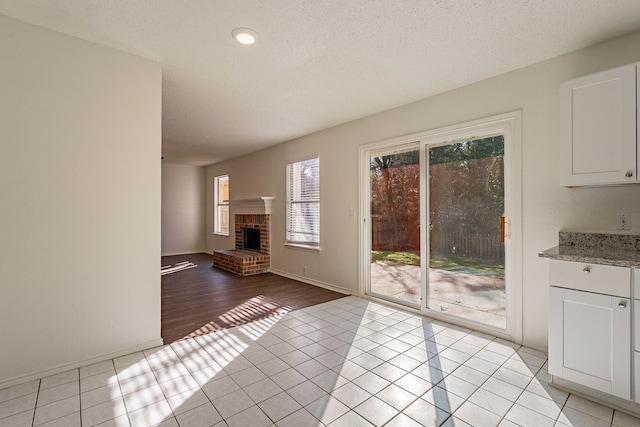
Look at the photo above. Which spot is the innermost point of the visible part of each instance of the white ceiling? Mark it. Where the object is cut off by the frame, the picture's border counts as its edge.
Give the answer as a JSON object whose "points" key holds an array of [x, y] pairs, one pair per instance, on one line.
{"points": [[318, 63]]}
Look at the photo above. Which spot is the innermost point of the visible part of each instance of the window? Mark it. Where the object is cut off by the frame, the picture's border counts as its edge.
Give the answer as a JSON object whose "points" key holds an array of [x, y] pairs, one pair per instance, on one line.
{"points": [[221, 202], [303, 202]]}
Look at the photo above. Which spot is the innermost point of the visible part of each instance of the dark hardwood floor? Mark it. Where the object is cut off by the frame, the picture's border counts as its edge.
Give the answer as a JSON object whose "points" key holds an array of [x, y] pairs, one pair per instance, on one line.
{"points": [[201, 299]]}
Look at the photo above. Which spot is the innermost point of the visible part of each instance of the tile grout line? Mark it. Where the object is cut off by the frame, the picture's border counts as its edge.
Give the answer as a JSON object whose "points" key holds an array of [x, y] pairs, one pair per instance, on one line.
{"points": [[121, 393], [504, 417], [285, 391], [200, 386], [424, 339], [406, 373], [159, 382], [80, 393], [613, 415], [452, 415], [514, 402], [564, 405], [33, 418]]}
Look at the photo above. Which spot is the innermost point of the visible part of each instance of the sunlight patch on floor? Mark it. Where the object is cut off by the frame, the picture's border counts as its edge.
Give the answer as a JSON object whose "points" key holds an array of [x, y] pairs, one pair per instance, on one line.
{"points": [[168, 269]]}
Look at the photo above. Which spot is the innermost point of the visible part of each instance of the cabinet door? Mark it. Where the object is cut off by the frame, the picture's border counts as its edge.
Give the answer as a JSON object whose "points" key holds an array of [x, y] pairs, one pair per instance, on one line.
{"points": [[636, 355], [590, 340], [598, 128]]}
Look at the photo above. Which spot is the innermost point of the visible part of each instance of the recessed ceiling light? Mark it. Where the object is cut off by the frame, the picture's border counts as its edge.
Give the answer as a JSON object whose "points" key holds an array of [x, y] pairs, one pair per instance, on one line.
{"points": [[244, 36]]}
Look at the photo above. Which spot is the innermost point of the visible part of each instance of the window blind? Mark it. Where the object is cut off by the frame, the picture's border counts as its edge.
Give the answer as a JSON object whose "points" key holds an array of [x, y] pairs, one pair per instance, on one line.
{"points": [[221, 196], [303, 202]]}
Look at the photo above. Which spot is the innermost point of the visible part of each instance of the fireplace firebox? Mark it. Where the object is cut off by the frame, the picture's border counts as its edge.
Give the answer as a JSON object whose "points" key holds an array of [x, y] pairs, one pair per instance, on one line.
{"points": [[251, 239]]}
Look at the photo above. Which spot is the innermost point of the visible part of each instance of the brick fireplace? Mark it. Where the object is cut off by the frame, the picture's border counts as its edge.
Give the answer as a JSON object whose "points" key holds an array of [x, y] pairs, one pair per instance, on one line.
{"points": [[251, 260]]}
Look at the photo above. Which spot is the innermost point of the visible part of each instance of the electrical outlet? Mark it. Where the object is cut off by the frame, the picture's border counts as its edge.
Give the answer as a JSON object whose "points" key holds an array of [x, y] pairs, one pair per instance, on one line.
{"points": [[623, 222], [304, 270]]}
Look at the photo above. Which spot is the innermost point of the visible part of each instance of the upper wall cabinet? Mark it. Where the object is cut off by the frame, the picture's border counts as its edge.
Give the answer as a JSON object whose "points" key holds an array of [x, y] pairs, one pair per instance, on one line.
{"points": [[598, 140]]}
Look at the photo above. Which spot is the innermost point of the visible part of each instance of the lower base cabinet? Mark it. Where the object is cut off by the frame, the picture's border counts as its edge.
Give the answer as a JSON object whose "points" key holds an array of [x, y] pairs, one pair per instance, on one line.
{"points": [[590, 340], [636, 355]]}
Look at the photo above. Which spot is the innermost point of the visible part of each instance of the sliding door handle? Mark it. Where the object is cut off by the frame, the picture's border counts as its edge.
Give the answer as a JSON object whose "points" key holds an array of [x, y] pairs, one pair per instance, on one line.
{"points": [[503, 228]]}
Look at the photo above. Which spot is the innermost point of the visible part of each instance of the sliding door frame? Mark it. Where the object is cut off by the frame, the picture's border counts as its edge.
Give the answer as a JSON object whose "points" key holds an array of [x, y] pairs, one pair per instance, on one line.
{"points": [[509, 125]]}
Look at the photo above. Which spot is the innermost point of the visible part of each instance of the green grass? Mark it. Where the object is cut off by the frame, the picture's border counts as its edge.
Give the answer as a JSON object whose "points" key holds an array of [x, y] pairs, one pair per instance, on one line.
{"points": [[452, 261], [411, 258], [447, 262]]}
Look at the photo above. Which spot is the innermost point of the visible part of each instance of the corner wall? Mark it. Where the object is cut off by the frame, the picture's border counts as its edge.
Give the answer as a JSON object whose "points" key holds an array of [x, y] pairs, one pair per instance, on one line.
{"points": [[547, 208], [182, 209], [80, 139]]}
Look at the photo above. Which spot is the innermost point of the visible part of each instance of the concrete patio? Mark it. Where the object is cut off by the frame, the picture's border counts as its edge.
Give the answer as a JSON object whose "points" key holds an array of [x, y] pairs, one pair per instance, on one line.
{"points": [[470, 294]]}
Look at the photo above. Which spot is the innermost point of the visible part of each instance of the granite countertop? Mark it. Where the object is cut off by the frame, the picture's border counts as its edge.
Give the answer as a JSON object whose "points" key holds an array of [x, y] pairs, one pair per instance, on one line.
{"points": [[596, 248]]}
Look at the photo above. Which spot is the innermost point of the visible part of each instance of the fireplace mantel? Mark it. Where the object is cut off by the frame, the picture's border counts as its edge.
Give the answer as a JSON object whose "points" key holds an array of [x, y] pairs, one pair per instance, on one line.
{"points": [[265, 201]]}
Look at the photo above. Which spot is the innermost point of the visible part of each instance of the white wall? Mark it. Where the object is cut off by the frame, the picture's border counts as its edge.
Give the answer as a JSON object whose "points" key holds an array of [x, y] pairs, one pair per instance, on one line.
{"points": [[80, 155], [547, 208], [182, 209]]}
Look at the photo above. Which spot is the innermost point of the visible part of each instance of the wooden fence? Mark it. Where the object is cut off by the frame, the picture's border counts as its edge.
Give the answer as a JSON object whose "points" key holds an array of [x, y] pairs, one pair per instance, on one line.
{"points": [[407, 238], [404, 237], [469, 245]]}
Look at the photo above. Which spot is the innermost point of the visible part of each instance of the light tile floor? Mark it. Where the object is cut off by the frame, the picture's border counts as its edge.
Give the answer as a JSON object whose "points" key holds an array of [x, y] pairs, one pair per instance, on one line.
{"points": [[348, 362]]}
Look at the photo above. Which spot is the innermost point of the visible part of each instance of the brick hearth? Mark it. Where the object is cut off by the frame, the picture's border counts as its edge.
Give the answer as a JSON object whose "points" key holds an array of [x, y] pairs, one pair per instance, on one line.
{"points": [[243, 262]]}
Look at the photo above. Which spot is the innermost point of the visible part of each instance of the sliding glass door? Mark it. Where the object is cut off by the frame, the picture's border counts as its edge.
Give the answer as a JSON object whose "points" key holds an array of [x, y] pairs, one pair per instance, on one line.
{"points": [[395, 225], [465, 210], [436, 229]]}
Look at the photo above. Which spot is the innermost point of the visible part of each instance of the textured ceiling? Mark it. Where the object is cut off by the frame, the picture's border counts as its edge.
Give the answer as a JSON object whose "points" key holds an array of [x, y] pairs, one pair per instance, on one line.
{"points": [[318, 63]]}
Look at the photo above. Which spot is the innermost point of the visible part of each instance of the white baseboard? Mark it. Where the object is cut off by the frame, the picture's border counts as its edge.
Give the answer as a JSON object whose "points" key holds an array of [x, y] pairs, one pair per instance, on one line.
{"points": [[311, 282], [534, 346], [597, 396], [77, 364]]}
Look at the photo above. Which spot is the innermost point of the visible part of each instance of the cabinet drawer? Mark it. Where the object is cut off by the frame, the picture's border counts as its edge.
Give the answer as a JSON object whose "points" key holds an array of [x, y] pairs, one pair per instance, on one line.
{"points": [[602, 279]]}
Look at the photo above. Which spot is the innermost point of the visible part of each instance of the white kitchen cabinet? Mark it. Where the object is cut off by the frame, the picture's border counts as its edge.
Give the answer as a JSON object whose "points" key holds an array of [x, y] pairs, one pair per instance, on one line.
{"points": [[590, 340], [590, 325], [598, 136]]}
